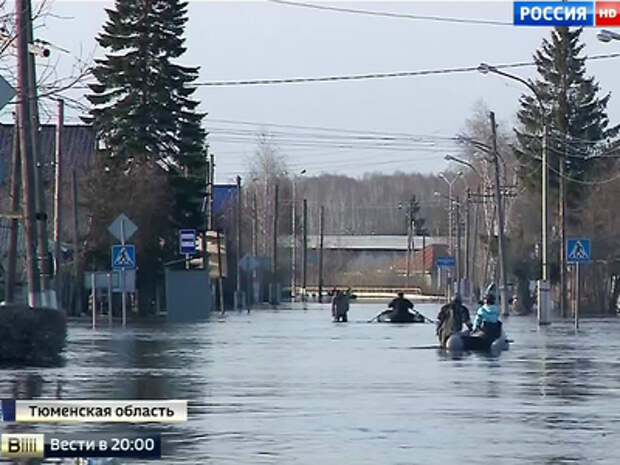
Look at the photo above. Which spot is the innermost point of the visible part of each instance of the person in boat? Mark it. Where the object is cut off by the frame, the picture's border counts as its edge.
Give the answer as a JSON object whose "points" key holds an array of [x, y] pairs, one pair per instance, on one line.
{"points": [[340, 306], [400, 307], [487, 322], [451, 319]]}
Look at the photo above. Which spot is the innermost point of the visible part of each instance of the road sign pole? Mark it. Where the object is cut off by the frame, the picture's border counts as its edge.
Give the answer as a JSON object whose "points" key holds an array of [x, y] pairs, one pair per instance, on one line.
{"points": [[110, 300], [577, 296], [123, 293], [93, 280]]}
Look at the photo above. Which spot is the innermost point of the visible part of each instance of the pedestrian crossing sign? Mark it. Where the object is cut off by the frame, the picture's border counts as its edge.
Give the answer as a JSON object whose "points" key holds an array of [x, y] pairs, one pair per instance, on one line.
{"points": [[123, 257], [578, 251]]}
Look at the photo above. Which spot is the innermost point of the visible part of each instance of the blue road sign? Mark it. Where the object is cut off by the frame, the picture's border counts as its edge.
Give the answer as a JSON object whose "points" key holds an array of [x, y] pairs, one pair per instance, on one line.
{"points": [[446, 262], [187, 241], [578, 251], [123, 257]]}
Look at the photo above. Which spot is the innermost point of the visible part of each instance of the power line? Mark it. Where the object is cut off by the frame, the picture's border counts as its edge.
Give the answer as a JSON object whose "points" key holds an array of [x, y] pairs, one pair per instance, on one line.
{"points": [[358, 77], [388, 14]]}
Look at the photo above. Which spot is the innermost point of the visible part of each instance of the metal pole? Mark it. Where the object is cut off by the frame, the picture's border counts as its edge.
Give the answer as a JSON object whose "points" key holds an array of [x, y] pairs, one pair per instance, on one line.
{"points": [[58, 189], [239, 299], [562, 207], [578, 296], [321, 238], [459, 266], [40, 200], [9, 296], [110, 300], [409, 239], [467, 241], [275, 296], [211, 189], [544, 300], [220, 274], [123, 282], [93, 283], [294, 239], [255, 293], [304, 259], [76, 253], [27, 153], [500, 221], [474, 250]]}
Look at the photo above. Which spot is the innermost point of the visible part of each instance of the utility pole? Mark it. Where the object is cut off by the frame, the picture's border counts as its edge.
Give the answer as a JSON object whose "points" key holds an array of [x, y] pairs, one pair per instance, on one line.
{"points": [[211, 189], [207, 196], [500, 220], [76, 252], [9, 295], [304, 259], [459, 266], [409, 240], [275, 297], [474, 252], [562, 211], [321, 237], [255, 293], [58, 190], [239, 293], [27, 154], [40, 201], [467, 241], [294, 240]]}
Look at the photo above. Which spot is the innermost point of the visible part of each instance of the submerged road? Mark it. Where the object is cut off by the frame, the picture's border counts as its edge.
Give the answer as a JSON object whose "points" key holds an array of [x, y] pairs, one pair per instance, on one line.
{"points": [[288, 386]]}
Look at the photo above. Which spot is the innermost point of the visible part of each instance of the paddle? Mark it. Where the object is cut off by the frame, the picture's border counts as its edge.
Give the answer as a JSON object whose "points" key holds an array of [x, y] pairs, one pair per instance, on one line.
{"points": [[377, 316]]}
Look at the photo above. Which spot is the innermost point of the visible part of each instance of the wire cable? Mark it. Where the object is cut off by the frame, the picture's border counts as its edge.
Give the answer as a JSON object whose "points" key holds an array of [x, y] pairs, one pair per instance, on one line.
{"points": [[388, 14]]}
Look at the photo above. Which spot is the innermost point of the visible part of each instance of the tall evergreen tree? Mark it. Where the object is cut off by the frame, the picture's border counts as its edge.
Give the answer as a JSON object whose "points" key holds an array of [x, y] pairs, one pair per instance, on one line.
{"points": [[577, 122], [143, 111]]}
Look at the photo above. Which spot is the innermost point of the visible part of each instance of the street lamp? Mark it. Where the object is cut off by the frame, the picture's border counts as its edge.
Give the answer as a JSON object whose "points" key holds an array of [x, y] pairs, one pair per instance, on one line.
{"points": [[294, 236], [450, 184], [606, 35], [543, 284], [463, 162]]}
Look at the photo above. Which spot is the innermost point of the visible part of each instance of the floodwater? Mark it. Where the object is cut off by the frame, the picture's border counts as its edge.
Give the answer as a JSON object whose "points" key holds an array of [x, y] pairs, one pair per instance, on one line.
{"points": [[288, 386]]}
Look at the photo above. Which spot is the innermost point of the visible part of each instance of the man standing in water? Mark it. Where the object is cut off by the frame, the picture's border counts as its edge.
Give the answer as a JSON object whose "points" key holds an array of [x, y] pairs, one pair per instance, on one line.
{"points": [[340, 306]]}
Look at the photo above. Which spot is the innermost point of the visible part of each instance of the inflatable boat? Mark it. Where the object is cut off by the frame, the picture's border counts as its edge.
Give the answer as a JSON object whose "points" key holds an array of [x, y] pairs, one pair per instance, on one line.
{"points": [[464, 341], [409, 317]]}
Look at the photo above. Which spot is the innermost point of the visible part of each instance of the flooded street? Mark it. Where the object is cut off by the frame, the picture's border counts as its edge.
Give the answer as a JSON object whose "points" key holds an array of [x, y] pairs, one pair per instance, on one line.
{"points": [[288, 386]]}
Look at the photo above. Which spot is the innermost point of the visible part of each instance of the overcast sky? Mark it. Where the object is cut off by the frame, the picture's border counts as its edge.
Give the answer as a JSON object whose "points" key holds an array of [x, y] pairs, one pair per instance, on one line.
{"points": [[245, 40]]}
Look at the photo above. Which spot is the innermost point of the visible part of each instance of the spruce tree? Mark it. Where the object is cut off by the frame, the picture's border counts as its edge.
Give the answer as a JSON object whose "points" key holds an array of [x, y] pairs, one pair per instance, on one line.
{"points": [[143, 111], [578, 128]]}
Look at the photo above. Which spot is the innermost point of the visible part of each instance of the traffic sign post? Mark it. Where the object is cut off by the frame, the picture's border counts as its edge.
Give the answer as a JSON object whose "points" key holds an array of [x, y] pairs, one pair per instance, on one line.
{"points": [[578, 251], [123, 228], [187, 244]]}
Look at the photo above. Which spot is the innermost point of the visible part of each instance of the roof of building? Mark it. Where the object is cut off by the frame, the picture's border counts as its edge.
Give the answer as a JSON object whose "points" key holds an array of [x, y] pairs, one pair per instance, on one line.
{"points": [[78, 143], [373, 242]]}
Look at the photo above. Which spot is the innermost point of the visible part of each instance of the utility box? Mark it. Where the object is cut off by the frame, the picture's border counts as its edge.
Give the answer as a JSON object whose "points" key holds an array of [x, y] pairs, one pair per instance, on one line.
{"points": [[188, 294]]}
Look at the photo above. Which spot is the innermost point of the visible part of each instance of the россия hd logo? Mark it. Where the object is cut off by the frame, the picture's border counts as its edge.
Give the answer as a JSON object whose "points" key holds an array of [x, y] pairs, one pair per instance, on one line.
{"points": [[577, 13]]}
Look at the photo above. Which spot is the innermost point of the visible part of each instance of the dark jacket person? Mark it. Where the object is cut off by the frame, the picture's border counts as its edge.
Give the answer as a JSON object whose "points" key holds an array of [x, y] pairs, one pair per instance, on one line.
{"points": [[400, 306], [451, 319]]}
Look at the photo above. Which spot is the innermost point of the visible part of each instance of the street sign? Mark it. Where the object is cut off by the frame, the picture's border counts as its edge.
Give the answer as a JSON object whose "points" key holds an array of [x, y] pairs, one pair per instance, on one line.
{"points": [[7, 92], [578, 251], [446, 262], [187, 241], [122, 226], [101, 280], [123, 257]]}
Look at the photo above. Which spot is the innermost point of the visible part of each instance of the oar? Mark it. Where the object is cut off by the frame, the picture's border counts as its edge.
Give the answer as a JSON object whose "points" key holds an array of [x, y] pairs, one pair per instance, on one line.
{"points": [[377, 316], [426, 319]]}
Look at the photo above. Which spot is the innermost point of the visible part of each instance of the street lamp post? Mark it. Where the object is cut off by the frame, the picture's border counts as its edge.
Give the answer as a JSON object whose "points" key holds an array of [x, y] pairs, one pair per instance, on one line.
{"points": [[450, 184], [543, 284]]}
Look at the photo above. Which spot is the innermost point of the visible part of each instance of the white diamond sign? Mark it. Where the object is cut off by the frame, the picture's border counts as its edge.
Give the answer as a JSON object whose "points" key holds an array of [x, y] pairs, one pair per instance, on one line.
{"points": [[122, 228]]}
